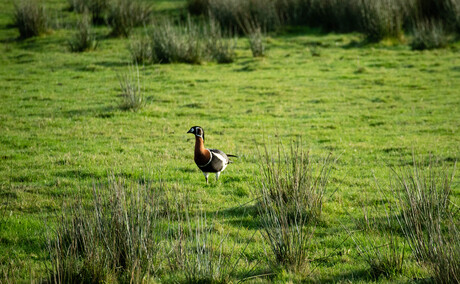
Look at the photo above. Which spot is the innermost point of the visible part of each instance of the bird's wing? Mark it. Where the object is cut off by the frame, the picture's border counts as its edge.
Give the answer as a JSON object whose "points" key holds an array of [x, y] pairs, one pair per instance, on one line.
{"points": [[218, 153]]}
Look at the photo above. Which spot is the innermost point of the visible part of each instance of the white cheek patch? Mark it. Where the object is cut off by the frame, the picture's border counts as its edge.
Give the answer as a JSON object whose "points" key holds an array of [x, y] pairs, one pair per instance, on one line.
{"points": [[192, 130], [199, 133]]}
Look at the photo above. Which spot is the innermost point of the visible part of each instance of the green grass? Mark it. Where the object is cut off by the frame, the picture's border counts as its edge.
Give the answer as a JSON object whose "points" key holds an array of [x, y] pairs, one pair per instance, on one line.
{"points": [[62, 129]]}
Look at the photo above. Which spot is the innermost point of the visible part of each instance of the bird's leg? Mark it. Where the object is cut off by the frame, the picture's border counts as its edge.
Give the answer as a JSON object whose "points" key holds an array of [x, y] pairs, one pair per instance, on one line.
{"points": [[217, 176], [206, 177]]}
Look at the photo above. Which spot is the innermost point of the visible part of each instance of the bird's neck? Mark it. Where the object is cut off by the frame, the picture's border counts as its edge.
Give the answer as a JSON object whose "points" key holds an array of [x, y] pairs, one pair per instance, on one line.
{"points": [[201, 154]]}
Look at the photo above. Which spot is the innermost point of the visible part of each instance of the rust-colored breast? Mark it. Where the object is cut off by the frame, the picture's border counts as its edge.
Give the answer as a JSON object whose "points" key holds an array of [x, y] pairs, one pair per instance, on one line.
{"points": [[202, 155]]}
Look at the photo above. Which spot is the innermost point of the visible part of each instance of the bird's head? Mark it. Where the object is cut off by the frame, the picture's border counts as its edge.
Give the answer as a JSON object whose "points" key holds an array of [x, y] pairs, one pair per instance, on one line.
{"points": [[197, 131]]}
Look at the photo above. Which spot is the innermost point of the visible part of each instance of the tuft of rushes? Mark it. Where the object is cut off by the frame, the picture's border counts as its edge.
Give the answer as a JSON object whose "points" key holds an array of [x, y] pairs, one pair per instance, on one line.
{"points": [[183, 43], [83, 39], [377, 19], [140, 50], [97, 9], [131, 92], [30, 18], [117, 236], [428, 218], [234, 15], [291, 190], [78, 6], [9, 270], [191, 42], [199, 253], [124, 15], [220, 44], [429, 35], [256, 42], [440, 247], [382, 19]]}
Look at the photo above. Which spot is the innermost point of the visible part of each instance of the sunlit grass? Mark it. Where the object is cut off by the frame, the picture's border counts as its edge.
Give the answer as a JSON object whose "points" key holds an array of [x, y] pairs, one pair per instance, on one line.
{"points": [[62, 129]]}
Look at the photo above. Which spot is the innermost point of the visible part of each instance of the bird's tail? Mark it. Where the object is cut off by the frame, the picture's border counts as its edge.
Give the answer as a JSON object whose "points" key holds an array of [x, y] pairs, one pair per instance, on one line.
{"points": [[230, 155]]}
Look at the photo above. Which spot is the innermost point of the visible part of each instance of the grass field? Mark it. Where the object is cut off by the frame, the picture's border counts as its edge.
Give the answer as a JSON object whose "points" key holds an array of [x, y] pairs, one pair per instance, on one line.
{"points": [[62, 130]]}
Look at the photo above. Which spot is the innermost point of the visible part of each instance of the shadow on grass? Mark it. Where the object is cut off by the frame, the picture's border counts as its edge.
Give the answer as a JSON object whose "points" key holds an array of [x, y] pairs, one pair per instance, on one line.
{"points": [[356, 44], [80, 174], [42, 44], [111, 64], [381, 224], [325, 39], [363, 275], [394, 44], [294, 31], [27, 245], [313, 38], [8, 40], [247, 66], [188, 169], [99, 112], [245, 215], [256, 274], [348, 276], [6, 195], [21, 235]]}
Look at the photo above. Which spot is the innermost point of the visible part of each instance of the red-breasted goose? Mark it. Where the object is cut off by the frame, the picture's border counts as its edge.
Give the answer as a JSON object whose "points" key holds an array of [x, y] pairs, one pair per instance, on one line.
{"points": [[208, 160]]}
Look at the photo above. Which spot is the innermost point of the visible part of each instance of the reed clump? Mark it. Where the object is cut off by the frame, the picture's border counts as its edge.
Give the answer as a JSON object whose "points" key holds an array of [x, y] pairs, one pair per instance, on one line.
{"points": [[291, 189]]}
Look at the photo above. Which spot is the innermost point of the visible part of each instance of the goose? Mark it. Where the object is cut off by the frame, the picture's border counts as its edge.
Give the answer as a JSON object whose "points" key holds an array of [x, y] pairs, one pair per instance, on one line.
{"points": [[208, 160]]}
